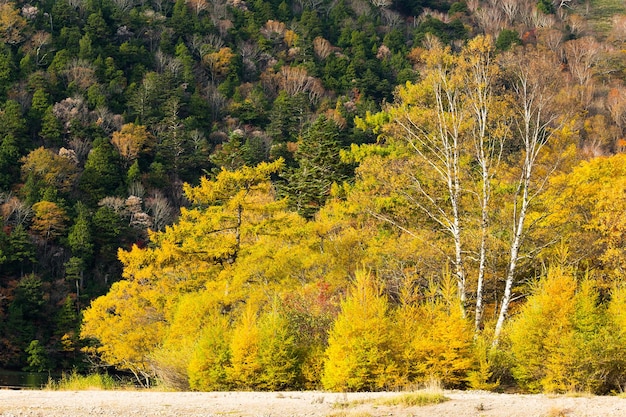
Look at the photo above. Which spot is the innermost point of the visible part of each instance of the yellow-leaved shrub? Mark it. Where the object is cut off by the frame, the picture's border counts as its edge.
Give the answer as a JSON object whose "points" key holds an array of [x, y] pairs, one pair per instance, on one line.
{"points": [[207, 368], [245, 367], [565, 338], [361, 345], [436, 338], [277, 352]]}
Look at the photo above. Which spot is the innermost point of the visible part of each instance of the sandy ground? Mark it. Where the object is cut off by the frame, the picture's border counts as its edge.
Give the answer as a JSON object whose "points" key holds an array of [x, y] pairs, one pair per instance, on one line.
{"points": [[301, 404]]}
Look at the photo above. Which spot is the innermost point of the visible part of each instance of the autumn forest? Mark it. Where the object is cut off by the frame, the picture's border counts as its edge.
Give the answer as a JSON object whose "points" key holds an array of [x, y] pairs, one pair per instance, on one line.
{"points": [[344, 195]]}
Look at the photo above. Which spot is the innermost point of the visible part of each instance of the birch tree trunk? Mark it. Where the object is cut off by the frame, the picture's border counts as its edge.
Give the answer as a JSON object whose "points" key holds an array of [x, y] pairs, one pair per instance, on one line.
{"points": [[536, 83], [439, 146], [487, 137]]}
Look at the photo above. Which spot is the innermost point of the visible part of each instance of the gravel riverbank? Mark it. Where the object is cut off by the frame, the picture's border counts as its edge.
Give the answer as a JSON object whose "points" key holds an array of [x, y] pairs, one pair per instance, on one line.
{"points": [[34, 403]]}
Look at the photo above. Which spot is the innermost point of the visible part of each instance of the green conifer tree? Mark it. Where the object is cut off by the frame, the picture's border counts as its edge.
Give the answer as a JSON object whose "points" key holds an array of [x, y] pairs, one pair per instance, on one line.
{"points": [[319, 166]]}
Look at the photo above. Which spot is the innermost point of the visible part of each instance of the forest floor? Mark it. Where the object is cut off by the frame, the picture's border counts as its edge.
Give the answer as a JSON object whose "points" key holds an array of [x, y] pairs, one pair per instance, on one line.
{"points": [[33, 403]]}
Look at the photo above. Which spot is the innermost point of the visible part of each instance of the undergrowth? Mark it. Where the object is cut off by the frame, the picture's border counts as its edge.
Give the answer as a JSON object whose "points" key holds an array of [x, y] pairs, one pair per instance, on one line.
{"points": [[414, 399], [77, 382]]}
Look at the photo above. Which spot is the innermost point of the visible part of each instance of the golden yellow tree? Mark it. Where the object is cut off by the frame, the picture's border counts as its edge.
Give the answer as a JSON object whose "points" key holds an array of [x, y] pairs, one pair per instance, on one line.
{"points": [[54, 170], [361, 353], [586, 209], [146, 315], [11, 24], [131, 140], [435, 337], [49, 220]]}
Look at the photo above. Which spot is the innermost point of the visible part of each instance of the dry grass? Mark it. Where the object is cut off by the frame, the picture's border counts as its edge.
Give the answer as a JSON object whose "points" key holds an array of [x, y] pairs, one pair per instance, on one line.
{"points": [[414, 399], [350, 414], [556, 412], [342, 404], [76, 382]]}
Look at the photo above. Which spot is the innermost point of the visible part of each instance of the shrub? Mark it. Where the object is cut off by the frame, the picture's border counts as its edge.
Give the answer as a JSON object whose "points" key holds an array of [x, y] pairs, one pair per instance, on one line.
{"points": [[361, 348], [436, 338]]}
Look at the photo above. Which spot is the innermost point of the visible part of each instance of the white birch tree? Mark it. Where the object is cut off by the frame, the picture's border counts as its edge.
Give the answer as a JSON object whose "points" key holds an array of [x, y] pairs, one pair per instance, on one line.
{"points": [[535, 84]]}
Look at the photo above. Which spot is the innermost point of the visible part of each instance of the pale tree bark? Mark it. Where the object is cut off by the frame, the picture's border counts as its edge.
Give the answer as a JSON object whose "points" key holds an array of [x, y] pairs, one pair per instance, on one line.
{"points": [[535, 84], [487, 137], [440, 148]]}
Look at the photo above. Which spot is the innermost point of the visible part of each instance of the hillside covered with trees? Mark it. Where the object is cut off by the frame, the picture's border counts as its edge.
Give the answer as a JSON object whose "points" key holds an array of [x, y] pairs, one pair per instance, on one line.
{"points": [[338, 194]]}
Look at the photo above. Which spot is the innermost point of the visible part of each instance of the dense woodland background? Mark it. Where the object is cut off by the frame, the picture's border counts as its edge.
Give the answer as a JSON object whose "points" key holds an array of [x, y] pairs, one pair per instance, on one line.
{"points": [[346, 194]]}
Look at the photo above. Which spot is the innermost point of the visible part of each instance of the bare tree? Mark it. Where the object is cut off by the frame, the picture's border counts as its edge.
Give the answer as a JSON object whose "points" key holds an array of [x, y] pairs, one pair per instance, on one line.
{"points": [[71, 108], [295, 80], [250, 53], [161, 211], [14, 211], [117, 204], [541, 20], [616, 104], [124, 6], [618, 29], [81, 148], [273, 30], [38, 44], [322, 47], [473, 5], [80, 73], [217, 101], [577, 24], [552, 39], [391, 18], [381, 3], [511, 9], [490, 19], [361, 7], [198, 6], [582, 55]]}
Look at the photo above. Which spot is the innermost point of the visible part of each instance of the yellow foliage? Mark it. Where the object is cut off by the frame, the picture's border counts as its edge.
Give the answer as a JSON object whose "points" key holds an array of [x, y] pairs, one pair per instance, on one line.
{"points": [[49, 220], [192, 313], [245, 369], [361, 346], [277, 351], [128, 324], [291, 38], [56, 171], [131, 140], [561, 340], [11, 24], [219, 62], [208, 365], [586, 209], [436, 339]]}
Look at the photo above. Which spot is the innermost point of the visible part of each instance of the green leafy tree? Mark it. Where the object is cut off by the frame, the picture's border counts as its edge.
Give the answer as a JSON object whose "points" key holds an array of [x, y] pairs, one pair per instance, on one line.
{"points": [[38, 360], [51, 127], [287, 117], [10, 153]]}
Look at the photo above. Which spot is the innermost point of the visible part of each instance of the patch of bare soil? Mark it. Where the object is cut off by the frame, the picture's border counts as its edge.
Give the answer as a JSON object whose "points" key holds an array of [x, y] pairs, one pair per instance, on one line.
{"points": [[300, 404]]}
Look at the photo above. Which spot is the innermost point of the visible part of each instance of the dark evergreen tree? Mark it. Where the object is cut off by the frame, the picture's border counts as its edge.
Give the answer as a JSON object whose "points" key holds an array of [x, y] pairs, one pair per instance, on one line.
{"points": [[103, 172], [319, 165]]}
